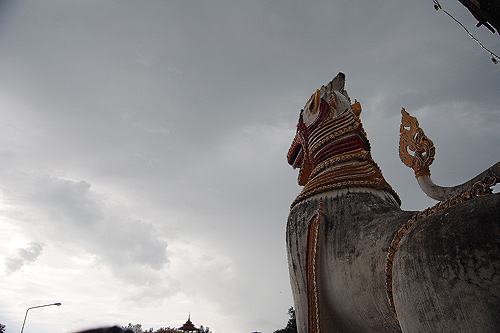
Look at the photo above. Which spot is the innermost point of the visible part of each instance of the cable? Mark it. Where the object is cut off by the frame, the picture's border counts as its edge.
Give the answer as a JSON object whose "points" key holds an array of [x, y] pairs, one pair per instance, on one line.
{"points": [[494, 58]]}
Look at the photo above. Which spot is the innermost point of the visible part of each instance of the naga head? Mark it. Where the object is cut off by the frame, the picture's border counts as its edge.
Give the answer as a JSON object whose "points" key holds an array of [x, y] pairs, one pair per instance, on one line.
{"points": [[328, 102]]}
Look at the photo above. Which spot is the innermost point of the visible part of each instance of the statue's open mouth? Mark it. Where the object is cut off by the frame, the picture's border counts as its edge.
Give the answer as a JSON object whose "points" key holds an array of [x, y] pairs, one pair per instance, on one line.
{"points": [[295, 154]]}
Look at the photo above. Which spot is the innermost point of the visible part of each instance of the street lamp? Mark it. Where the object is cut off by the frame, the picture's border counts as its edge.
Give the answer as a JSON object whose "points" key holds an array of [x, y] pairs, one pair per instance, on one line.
{"points": [[33, 307]]}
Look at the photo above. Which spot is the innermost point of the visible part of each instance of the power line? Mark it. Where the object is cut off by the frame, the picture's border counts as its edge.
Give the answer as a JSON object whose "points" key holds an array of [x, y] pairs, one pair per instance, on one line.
{"points": [[494, 58]]}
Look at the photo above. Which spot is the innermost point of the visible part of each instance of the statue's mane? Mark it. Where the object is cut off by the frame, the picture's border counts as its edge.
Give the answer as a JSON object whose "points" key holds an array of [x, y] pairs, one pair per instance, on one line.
{"points": [[331, 148]]}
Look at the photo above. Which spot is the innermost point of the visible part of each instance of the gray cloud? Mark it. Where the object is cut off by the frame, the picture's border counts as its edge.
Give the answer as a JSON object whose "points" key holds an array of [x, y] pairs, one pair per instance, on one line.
{"points": [[70, 212], [126, 128], [24, 256]]}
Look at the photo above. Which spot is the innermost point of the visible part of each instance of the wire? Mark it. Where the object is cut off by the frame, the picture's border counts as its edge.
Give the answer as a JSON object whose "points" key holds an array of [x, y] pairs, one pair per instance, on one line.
{"points": [[494, 58]]}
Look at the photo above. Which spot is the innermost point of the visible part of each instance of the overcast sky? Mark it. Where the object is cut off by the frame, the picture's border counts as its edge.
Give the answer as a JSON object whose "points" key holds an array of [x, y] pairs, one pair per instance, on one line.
{"points": [[142, 145]]}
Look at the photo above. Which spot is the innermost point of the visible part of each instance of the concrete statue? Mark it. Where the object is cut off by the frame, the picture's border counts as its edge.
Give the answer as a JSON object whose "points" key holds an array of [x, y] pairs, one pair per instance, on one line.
{"points": [[357, 262]]}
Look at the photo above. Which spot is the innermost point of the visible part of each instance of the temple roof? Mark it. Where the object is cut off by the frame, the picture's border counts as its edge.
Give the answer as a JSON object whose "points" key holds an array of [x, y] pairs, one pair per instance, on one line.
{"points": [[188, 326]]}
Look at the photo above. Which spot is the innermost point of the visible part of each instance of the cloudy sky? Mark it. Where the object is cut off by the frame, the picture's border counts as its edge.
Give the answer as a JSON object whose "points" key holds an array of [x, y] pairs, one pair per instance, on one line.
{"points": [[142, 145]]}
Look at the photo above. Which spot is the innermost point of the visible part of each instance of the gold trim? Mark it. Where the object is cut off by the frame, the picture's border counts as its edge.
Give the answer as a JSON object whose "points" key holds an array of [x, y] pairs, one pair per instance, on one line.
{"points": [[356, 174], [336, 129], [359, 154], [312, 272], [356, 108]]}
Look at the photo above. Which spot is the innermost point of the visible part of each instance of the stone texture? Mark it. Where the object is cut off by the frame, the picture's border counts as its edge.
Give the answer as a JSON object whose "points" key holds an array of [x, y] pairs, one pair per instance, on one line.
{"points": [[356, 230], [446, 275]]}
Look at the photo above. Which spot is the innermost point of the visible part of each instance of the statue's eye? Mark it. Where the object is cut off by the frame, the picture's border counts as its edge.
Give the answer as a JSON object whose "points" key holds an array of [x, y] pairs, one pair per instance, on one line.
{"points": [[311, 106]]}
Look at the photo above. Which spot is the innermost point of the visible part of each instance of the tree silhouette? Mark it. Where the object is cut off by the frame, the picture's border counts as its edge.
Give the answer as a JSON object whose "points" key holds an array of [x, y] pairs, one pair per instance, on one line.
{"points": [[291, 325]]}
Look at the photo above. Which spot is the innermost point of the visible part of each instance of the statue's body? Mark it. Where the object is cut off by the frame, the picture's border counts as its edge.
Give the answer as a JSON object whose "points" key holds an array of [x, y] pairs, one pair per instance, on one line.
{"points": [[341, 227]]}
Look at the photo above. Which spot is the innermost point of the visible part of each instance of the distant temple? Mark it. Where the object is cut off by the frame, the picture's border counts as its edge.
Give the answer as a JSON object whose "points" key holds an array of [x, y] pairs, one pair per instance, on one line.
{"points": [[188, 326]]}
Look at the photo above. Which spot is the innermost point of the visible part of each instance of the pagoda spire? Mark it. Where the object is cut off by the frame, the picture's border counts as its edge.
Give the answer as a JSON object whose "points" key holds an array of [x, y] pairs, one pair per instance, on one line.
{"points": [[188, 325]]}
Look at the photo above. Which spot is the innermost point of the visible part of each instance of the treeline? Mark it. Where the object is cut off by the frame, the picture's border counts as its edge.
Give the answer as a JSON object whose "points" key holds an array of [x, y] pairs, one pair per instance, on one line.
{"points": [[137, 328]]}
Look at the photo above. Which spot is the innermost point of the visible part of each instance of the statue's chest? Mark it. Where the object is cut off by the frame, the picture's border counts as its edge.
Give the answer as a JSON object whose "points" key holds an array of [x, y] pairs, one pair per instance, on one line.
{"points": [[336, 250]]}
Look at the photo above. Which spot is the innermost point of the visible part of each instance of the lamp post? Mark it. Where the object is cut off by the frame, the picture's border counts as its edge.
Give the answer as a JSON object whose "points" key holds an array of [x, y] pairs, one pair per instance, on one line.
{"points": [[33, 307]]}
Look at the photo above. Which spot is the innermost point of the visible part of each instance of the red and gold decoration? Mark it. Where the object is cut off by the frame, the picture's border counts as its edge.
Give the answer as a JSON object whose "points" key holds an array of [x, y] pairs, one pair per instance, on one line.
{"points": [[334, 153], [312, 271]]}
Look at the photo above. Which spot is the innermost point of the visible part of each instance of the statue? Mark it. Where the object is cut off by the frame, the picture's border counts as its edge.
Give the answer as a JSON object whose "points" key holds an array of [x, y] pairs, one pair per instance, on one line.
{"points": [[357, 262]]}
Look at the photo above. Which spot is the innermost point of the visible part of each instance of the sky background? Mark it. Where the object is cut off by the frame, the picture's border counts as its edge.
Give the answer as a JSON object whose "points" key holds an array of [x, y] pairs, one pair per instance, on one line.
{"points": [[142, 145]]}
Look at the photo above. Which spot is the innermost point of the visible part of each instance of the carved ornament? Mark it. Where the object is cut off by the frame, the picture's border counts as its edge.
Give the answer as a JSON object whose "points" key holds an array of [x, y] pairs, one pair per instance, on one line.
{"points": [[413, 140]]}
